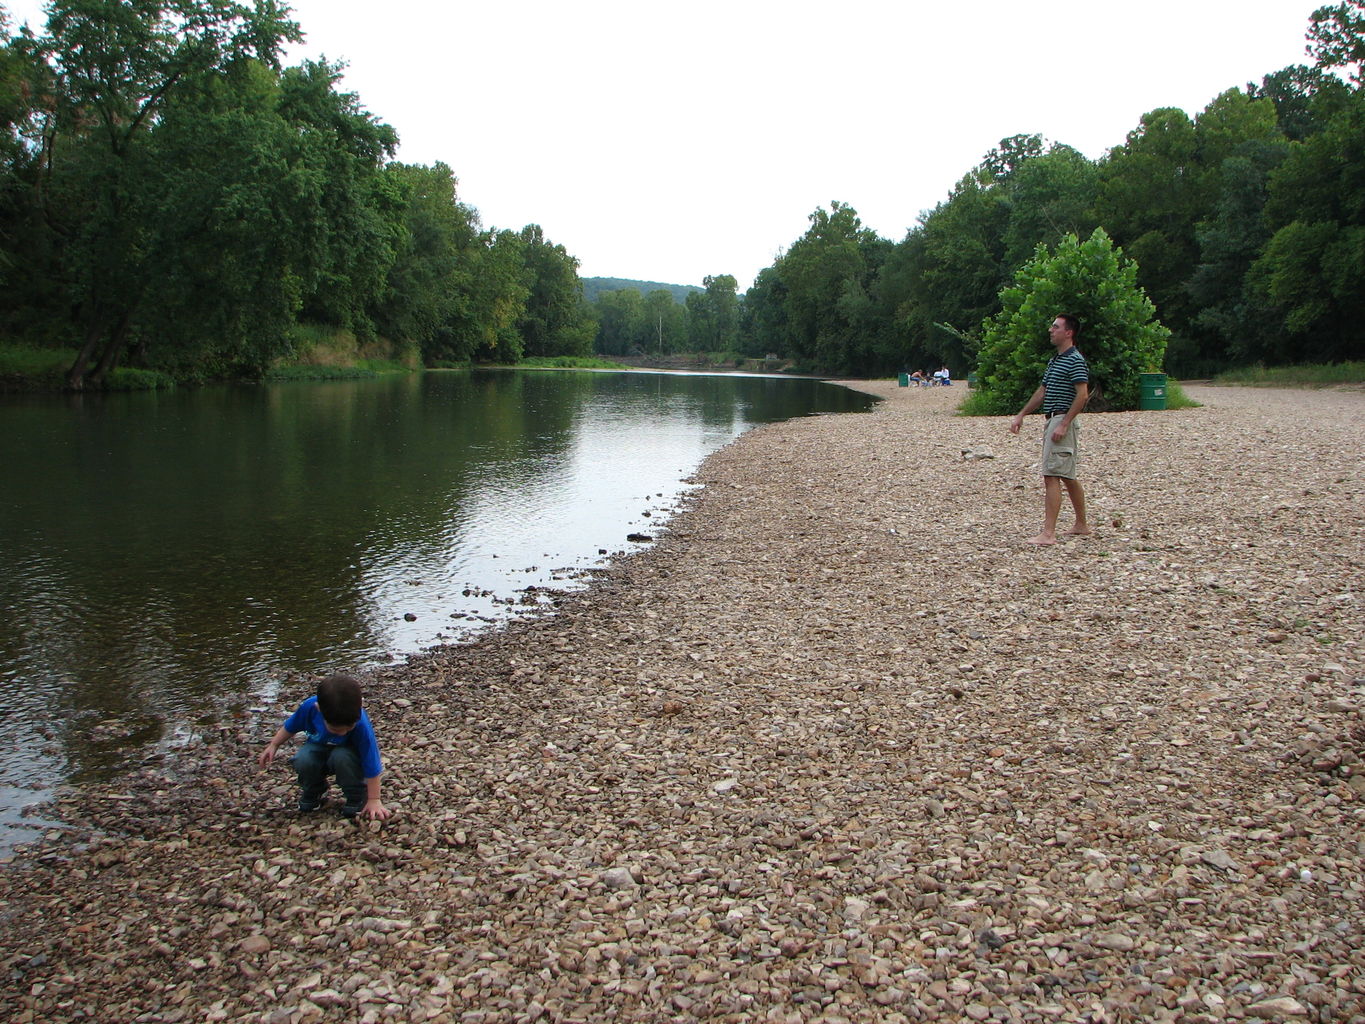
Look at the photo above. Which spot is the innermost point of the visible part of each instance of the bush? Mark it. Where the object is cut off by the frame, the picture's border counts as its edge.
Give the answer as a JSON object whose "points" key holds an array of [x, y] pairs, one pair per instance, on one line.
{"points": [[569, 363], [130, 378], [286, 373], [1120, 337]]}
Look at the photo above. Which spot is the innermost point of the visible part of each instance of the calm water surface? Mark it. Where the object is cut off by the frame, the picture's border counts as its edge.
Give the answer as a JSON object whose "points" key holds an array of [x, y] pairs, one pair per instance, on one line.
{"points": [[168, 558]]}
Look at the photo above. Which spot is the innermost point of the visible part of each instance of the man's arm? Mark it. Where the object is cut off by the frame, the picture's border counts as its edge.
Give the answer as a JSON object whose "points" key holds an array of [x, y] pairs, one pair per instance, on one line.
{"points": [[1029, 406], [1077, 404]]}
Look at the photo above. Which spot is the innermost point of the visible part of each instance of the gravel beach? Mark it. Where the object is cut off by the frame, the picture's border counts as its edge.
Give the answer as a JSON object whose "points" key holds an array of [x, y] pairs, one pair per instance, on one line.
{"points": [[839, 746]]}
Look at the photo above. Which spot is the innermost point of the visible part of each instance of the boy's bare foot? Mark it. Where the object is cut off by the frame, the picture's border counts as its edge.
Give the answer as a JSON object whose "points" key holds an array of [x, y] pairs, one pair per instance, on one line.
{"points": [[1042, 540], [1080, 531]]}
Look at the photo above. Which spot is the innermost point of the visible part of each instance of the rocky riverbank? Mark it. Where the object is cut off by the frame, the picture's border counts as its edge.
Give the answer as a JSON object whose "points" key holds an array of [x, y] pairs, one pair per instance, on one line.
{"points": [[839, 747]]}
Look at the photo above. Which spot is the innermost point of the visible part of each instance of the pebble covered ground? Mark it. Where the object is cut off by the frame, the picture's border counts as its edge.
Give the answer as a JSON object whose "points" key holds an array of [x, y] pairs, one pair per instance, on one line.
{"points": [[839, 746]]}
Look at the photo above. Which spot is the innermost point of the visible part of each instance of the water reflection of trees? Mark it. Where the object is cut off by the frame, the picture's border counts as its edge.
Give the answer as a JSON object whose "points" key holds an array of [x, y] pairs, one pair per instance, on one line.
{"points": [[162, 554]]}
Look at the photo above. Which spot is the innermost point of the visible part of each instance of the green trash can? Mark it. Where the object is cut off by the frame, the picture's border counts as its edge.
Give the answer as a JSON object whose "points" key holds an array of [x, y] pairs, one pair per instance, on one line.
{"points": [[905, 380], [971, 381], [1153, 391]]}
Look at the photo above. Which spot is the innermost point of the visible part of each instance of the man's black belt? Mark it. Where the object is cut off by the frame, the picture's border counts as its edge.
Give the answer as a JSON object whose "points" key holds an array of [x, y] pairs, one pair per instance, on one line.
{"points": [[1057, 412]]}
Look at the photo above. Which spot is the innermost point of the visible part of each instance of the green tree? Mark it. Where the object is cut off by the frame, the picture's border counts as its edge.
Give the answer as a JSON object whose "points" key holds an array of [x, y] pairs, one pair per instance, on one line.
{"points": [[339, 153], [620, 322], [1012, 153], [225, 246], [489, 303], [1152, 193], [949, 271], [1050, 196], [825, 274], [1120, 336], [555, 321], [665, 322], [1336, 38], [1232, 325], [763, 317], [1312, 271], [1304, 98], [114, 68], [713, 315], [423, 287]]}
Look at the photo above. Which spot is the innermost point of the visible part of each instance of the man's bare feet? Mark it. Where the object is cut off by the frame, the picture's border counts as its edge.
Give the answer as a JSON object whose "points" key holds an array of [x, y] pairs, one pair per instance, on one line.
{"points": [[1079, 531], [1042, 540]]}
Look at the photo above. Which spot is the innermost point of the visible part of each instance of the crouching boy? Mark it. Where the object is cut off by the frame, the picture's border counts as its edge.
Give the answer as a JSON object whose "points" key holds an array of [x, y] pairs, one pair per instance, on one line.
{"points": [[340, 742]]}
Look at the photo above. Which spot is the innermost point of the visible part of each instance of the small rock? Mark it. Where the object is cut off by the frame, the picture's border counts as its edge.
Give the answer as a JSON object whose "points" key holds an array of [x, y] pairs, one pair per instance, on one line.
{"points": [[1116, 941], [1277, 1009], [255, 944], [618, 878], [855, 909], [1218, 859]]}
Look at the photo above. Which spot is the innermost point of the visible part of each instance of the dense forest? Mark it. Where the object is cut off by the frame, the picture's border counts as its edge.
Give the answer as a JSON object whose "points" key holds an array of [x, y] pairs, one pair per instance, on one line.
{"points": [[174, 198], [595, 286]]}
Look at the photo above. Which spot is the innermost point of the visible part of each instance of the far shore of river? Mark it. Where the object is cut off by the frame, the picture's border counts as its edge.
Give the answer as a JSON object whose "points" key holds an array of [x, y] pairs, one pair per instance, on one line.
{"points": [[839, 746]]}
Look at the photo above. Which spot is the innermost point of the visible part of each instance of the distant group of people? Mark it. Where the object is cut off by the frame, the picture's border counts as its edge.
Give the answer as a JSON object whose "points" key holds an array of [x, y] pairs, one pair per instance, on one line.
{"points": [[939, 378]]}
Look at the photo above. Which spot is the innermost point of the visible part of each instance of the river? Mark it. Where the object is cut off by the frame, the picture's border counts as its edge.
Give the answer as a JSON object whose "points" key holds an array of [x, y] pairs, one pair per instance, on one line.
{"points": [[168, 558]]}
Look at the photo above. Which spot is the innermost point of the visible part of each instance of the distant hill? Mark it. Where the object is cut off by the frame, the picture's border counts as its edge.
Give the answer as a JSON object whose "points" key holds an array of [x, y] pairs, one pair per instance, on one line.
{"points": [[595, 286]]}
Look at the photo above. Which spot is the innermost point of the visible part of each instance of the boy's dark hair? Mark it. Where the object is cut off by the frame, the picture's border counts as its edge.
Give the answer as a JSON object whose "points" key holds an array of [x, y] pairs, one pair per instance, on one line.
{"points": [[339, 700], [1072, 324]]}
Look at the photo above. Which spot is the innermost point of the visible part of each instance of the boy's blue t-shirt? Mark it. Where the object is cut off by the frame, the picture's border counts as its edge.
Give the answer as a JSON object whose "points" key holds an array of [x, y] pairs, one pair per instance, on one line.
{"points": [[308, 719]]}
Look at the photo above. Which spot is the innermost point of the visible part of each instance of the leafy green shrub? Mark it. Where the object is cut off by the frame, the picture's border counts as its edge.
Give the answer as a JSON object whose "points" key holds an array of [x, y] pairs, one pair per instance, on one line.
{"points": [[1120, 337]]}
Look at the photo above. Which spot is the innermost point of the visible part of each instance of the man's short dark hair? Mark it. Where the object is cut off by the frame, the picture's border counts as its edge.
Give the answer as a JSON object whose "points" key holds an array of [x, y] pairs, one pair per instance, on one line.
{"points": [[1072, 324], [339, 700]]}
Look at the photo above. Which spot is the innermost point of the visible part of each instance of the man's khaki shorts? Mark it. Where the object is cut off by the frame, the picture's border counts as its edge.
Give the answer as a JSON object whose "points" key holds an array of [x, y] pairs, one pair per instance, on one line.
{"points": [[1060, 457]]}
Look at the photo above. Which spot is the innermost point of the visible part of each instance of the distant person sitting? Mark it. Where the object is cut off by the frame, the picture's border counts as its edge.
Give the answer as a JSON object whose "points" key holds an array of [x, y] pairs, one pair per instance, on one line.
{"points": [[918, 378], [941, 377]]}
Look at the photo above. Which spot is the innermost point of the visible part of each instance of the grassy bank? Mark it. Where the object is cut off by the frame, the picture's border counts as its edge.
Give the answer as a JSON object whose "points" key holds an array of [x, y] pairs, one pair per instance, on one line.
{"points": [[318, 353], [24, 368], [1308, 375], [569, 363]]}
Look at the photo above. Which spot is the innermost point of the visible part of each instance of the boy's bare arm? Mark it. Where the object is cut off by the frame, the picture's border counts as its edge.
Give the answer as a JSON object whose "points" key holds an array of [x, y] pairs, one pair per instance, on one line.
{"points": [[280, 738], [374, 808]]}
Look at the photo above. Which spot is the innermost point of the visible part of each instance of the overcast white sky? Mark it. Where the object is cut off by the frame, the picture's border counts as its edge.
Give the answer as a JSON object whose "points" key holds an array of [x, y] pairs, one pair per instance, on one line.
{"points": [[668, 141]]}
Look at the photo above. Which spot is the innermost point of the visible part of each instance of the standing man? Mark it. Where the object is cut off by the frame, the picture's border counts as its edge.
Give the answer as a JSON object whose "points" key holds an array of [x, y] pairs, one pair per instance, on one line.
{"points": [[1062, 396]]}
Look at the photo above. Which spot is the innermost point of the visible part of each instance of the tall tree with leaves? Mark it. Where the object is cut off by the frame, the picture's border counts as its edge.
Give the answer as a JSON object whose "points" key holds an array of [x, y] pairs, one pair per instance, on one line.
{"points": [[438, 231], [823, 273], [114, 67], [555, 321], [1312, 271], [951, 268], [1050, 196], [1232, 325], [491, 292], [1336, 38], [713, 315]]}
